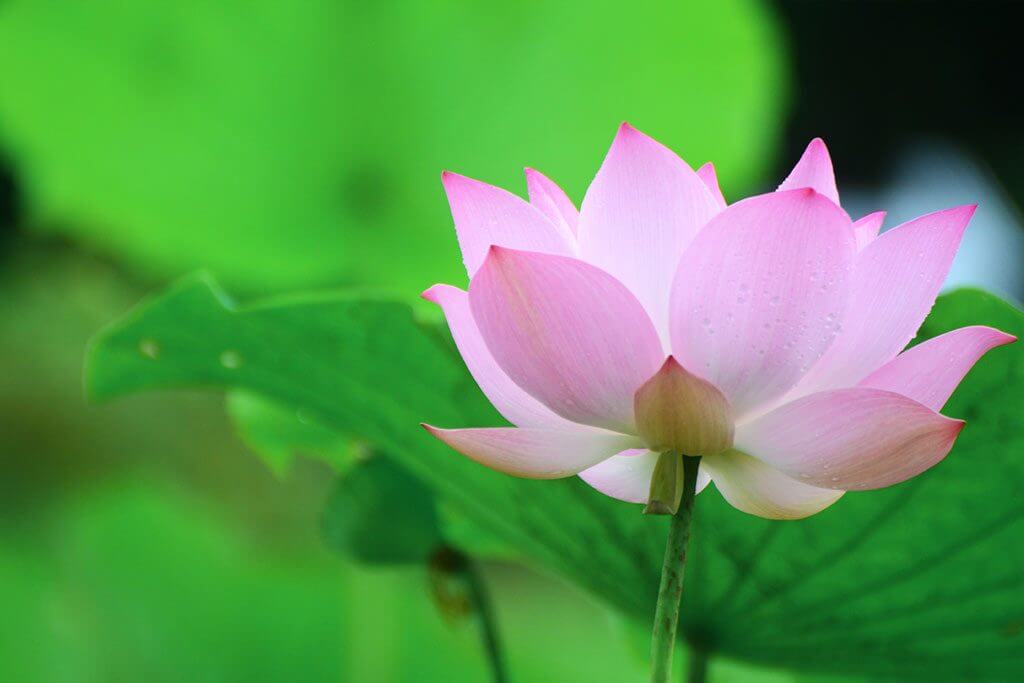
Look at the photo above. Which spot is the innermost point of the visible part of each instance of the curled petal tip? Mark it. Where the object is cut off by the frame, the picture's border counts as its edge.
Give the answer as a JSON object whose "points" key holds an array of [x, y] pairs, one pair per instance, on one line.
{"points": [[449, 178], [431, 293]]}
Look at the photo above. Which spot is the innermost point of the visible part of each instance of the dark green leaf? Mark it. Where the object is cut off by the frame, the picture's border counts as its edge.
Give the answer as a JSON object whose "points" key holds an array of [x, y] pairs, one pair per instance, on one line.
{"points": [[380, 514], [277, 434], [921, 581]]}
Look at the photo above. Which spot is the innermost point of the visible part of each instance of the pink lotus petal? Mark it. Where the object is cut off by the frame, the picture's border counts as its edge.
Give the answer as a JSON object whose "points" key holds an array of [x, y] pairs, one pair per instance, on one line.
{"points": [[759, 489], [517, 406], [643, 208], [760, 292], [929, 372], [707, 174], [627, 476], [896, 279], [535, 453], [866, 229], [486, 215], [814, 170], [551, 200], [850, 438], [568, 333]]}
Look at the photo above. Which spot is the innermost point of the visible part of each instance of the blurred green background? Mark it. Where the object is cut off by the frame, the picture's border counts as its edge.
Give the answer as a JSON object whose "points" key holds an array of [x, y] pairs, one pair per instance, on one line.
{"points": [[287, 146]]}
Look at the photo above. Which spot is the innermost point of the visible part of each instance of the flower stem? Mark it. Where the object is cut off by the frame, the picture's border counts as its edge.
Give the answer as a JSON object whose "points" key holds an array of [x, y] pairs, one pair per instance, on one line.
{"points": [[484, 608], [666, 614]]}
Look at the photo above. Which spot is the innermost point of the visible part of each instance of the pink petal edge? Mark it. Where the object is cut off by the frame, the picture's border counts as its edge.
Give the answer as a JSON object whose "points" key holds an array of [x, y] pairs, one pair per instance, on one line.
{"points": [[709, 177], [568, 333], [850, 438], [895, 282], [486, 215], [513, 402], [929, 372], [641, 211], [814, 170], [552, 201], [757, 488], [760, 292], [534, 453], [866, 229]]}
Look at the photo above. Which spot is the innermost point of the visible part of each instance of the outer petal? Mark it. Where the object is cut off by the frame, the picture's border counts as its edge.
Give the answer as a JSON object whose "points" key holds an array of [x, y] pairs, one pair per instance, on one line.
{"points": [[643, 208], [929, 372], [486, 215], [850, 438], [568, 333], [534, 453], [866, 229], [896, 279], [759, 489], [627, 476], [760, 292], [814, 170], [551, 200], [517, 406], [707, 174]]}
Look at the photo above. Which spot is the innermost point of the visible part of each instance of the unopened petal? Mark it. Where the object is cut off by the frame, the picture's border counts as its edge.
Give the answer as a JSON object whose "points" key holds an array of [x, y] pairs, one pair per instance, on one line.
{"points": [[551, 200], [929, 372], [643, 208], [513, 402], [760, 293], [486, 215], [850, 438], [568, 333], [759, 489], [896, 279], [534, 453], [678, 411], [627, 475], [814, 170]]}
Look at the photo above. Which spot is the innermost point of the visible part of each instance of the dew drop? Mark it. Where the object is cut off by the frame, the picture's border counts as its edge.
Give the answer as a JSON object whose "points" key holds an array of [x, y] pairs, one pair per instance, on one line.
{"points": [[231, 359], [149, 348]]}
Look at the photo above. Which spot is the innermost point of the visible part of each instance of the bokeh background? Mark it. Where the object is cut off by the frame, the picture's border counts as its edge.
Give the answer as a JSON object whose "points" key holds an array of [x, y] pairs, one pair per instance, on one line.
{"points": [[288, 146]]}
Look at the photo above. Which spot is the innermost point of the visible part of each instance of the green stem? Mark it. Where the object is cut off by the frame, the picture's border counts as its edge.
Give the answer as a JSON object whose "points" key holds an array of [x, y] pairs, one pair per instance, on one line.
{"points": [[666, 614], [484, 609]]}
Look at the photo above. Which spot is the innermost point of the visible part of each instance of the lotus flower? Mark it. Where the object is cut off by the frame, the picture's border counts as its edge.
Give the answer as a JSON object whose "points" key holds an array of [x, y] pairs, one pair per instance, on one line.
{"points": [[764, 335]]}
